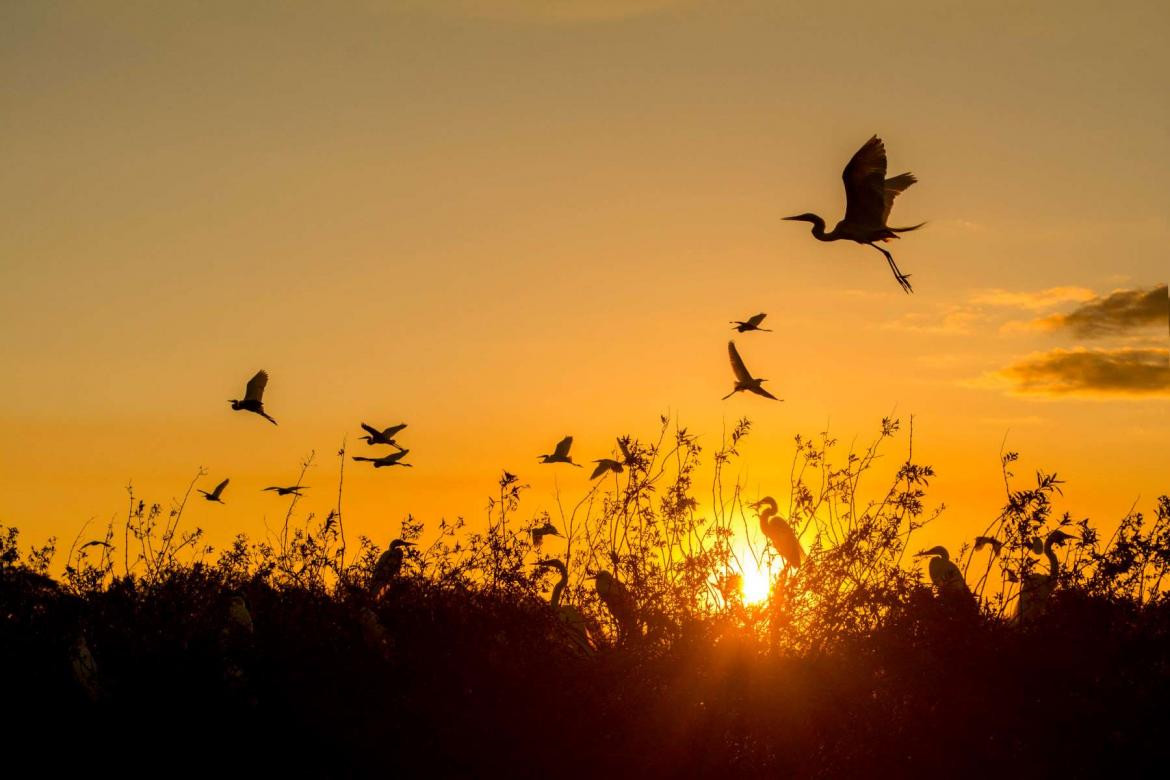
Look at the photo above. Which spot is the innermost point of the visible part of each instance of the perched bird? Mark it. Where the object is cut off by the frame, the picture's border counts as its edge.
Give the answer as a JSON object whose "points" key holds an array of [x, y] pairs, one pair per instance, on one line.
{"points": [[869, 196], [561, 453], [1037, 588], [239, 618], [743, 378], [384, 436], [779, 533], [618, 600], [606, 464], [751, 323], [388, 565], [393, 459], [84, 668], [254, 396], [216, 494], [576, 627], [945, 575], [538, 534], [295, 490]]}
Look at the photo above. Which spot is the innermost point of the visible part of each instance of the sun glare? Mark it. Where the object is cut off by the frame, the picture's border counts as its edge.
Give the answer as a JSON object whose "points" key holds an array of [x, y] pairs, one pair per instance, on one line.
{"points": [[756, 584]]}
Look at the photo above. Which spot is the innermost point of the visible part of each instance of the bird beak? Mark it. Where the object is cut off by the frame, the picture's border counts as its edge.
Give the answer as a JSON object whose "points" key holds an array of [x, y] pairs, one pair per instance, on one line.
{"points": [[793, 218]]}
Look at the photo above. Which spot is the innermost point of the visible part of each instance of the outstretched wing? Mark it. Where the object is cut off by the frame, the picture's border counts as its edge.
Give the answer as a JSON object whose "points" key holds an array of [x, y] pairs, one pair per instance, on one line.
{"points": [[893, 188], [377, 434], [737, 366], [763, 392], [562, 450], [624, 446], [602, 467], [219, 488], [256, 385], [755, 320], [865, 185]]}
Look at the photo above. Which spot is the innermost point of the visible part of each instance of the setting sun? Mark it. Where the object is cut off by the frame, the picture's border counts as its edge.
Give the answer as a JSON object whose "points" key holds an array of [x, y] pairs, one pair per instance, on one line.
{"points": [[757, 583]]}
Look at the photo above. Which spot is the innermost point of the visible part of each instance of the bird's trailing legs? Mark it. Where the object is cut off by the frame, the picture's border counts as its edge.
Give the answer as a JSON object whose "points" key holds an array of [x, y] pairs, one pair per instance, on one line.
{"points": [[903, 279]]}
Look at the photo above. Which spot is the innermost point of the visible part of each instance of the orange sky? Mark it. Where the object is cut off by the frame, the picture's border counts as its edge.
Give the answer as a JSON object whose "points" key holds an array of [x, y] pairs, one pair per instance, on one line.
{"points": [[503, 222]]}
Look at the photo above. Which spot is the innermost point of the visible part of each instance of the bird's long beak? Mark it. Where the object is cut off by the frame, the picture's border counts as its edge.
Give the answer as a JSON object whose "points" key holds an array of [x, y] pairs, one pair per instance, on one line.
{"points": [[797, 217]]}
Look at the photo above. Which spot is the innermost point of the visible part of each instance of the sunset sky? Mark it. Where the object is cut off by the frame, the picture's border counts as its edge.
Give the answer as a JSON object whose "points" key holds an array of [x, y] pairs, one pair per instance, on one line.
{"points": [[503, 222]]}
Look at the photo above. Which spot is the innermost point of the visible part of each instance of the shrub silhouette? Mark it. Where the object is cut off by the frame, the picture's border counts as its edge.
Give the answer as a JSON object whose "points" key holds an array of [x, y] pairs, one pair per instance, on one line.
{"points": [[275, 656]]}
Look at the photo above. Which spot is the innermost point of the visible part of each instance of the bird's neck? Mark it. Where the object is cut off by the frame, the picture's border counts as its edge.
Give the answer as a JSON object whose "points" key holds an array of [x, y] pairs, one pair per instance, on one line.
{"points": [[1053, 563], [558, 589], [818, 230]]}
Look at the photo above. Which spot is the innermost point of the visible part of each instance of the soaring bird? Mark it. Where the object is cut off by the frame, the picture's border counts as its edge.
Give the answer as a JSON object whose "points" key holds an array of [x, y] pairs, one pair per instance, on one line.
{"points": [[743, 378], [869, 196], [384, 436], [779, 533], [945, 574], [1037, 588], [561, 453], [216, 495], [388, 565], [295, 490], [618, 600], [254, 396], [393, 459], [606, 464], [751, 323], [538, 533], [576, 627]]}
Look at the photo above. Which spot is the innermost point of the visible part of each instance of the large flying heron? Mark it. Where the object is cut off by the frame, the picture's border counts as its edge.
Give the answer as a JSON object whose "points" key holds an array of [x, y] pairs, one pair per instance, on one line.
{"points": [[1037, 588], [743, 378], [751, 323], [393, 459], [869, 196], [217, 494], [384, 436], [561, 453], [253, 400], [294, 490], [538, 533], [779, 533]]}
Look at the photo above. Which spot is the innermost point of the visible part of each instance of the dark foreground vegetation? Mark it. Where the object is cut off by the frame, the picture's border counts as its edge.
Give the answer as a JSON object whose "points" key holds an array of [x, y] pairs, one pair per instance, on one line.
{"points": [[152, 656]]}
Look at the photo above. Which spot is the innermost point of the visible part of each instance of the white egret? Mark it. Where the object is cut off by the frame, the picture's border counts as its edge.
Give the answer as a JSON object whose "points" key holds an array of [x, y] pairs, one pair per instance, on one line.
{"points": [[743, 378], [561, 453], [216, 495], [253, 400], [751, 323], [393, 459], [779, 533]]}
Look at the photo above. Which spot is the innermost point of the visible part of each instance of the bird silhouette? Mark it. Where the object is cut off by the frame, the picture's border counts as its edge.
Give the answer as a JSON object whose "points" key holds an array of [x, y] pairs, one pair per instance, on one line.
{"points": [[253, 400], [561, 453], [869, 196], [384, 436], [216, 495], [538, 534], [606, 464], [779, 533], [743, 378], [1037, 588], [295, 490], [618, 600], [84, 668], [389, 565], [751, 323], [945, 575], [393, 459], [575, 624]]}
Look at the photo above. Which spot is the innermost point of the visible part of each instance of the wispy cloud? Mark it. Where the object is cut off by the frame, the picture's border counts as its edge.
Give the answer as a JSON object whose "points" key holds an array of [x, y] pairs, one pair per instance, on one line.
{"points": [[1116, 314], [556, 11], [1038, 300], [952, 320], [1122, 372]]}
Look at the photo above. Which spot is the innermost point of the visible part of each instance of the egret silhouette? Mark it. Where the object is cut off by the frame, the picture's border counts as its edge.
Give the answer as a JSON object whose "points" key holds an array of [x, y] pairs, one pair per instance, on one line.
{"points": [[743, 378], [253, 400], [779, 533], [384, 436], [216, 495], [575, 624], [295, 490], [946, 575], [1037, 588], [606, 464], [538, 534], [388, 566], [869, 196], [393, 459], [561, 453], [751, 323], [84, 668], [618, 600], [239, 618]]}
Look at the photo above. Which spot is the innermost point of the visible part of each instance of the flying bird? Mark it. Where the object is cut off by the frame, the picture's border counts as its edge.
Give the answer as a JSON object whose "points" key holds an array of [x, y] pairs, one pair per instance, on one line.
{"points": [[216, 495], [606, 464], [295, 490], [538, 534], [743, 378], [393, 459], [561, 453], [751, 323], [384, 436], [779, 533], [254, 396], [389, 565], [869, 196]]}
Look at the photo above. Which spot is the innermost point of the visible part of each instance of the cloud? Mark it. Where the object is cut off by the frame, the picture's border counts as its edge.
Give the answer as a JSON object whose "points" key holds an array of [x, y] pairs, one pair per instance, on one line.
{"points": [[548, 10], [1115, 314], [952, 319], [1092, 373], [1042, 299]]}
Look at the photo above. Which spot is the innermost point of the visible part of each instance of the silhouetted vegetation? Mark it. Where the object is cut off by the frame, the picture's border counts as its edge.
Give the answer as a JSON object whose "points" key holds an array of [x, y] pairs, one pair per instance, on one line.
{"points": [[152, 652]]}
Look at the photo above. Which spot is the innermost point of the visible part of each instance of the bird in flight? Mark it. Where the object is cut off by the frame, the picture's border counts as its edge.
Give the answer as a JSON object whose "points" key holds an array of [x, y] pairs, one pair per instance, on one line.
{"points": [[295, 490], [561, 453], [869, 196], [743, 378], [751, 323], [393, 459], [538, 533], [253, 400], [216, 495], [385, 436], [606, 464]]}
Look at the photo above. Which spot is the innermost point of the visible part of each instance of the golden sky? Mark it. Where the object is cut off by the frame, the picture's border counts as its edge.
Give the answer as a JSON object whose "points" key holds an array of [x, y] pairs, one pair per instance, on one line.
{"points": [[503, 222]]}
